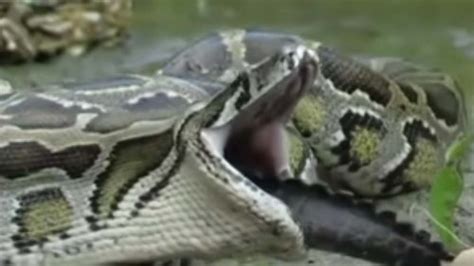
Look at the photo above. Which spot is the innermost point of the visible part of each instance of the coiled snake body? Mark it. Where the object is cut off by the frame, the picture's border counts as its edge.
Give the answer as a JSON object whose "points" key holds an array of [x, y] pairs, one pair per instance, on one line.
{"points": [[219, 154]]}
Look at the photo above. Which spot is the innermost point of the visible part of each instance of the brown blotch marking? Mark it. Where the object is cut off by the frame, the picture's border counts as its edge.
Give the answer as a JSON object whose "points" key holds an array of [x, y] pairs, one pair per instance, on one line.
{"points": [[415, 129], [180, 148], [39, 113], [19, 159], [442, 101], [130, 160], [348, 75], [409, 92], [42, 213], [160, 106], [422, 162], [244, 95], [363, 133]]}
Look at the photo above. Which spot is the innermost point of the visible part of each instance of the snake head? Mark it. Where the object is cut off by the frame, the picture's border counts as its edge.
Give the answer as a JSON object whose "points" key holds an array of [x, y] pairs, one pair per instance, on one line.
{"points": [[238, 136], [245, 124]]}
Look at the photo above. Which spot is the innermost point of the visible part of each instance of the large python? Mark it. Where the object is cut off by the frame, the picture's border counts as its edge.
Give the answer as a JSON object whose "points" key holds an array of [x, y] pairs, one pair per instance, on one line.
{"points": [[128, 169]]}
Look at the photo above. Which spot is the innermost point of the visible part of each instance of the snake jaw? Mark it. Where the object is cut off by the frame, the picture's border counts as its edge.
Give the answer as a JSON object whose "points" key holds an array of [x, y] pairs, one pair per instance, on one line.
{"points": [[254, 141]]}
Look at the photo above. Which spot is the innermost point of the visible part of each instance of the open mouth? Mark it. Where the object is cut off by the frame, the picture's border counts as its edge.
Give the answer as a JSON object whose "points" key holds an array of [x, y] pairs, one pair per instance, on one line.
{"points": [[254, 141]]}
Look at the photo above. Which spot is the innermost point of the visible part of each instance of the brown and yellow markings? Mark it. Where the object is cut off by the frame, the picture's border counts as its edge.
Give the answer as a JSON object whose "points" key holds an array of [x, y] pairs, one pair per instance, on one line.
{"points": [[42, 213], [409, 92], [309, 115], [435, 90], [424, 159], [39, 113], [442, 101], [365, 144], [298, 152], [21, 159], [349, 76], [425, 163], [157, 107], [421, 163], [364, 135], [129, 160]]}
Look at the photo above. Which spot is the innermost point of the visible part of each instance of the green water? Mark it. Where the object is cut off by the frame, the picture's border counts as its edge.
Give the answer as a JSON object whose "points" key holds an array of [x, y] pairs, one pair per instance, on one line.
{"points": [[437, 33]]}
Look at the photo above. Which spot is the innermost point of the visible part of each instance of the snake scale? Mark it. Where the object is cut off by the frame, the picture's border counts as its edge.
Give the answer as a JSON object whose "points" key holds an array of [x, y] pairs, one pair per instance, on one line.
{"points": [[223, 152]]}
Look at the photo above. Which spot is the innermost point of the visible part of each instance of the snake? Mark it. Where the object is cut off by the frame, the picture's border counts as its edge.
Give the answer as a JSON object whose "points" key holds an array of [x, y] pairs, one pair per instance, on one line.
{"points": [[222, 153]]}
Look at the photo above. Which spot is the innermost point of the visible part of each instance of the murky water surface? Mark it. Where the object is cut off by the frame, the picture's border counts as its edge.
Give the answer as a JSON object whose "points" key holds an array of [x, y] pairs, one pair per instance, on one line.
{"points": [[436, 33]]}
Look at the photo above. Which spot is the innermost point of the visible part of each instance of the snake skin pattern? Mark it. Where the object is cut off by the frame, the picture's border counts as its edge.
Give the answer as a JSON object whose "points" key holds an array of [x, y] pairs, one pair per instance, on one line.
{"points": [[137, 169]]}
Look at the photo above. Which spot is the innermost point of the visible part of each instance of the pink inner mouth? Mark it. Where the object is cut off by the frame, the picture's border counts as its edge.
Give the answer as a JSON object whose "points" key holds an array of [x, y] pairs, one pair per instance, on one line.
{"points": [[258, 152], [257, 144]]}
